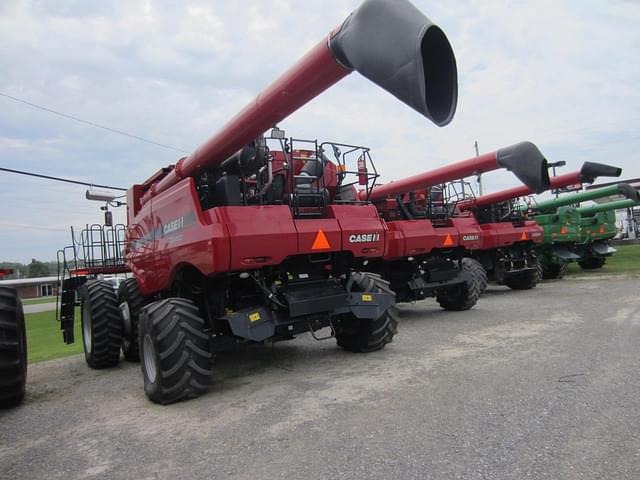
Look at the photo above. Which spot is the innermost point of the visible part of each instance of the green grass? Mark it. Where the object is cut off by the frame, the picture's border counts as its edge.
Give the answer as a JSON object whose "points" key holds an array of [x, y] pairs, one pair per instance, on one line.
{"points": [[35, 301], [626, 261], [44, 337]]}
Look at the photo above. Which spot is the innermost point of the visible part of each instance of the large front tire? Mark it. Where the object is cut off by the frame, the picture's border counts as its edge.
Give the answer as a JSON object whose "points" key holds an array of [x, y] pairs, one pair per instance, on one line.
{"points": [[131, 303], [175, 351], [101, 324], [592, 263], [465, 295], [13, 349], [363, 335]]}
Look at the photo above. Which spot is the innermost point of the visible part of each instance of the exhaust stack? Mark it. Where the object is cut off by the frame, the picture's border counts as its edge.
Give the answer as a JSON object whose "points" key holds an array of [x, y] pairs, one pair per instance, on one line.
{"points": [[390, 42]]}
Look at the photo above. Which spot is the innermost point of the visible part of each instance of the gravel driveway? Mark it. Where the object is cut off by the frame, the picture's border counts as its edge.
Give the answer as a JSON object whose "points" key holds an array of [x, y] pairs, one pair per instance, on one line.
{"points": [[540, 384]]}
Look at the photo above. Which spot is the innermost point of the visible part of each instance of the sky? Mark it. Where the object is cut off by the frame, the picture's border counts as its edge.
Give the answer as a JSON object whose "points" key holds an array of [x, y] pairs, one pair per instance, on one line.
{"points": [[562, 74]]}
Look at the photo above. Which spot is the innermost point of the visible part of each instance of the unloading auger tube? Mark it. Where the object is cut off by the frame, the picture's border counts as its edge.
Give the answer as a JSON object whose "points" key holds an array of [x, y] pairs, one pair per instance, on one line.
{"points": [[587, 174], [607, 207], [524, 159], [623, 189], [390, 42]]}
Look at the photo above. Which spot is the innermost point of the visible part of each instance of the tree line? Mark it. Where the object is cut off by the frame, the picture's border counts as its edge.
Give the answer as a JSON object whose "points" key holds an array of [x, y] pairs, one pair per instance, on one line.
{"points": [[30, 270]]}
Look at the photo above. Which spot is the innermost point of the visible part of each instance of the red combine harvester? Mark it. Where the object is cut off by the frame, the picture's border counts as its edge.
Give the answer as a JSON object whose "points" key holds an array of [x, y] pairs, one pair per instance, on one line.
{"points": [[239, 242], [13, 346], [508, 237], [429, 241]]}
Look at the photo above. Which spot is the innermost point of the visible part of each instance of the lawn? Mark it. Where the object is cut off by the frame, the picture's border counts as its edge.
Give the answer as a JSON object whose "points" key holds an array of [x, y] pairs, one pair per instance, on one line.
{"points": [[44, 337], [35, 301], [626, 261]]}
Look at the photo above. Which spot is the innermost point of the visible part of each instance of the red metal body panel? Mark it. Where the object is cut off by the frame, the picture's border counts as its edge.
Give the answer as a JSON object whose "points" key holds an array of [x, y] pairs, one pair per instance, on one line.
{"points": [[418, 237], [469, 231], [360, 220], [504, 234], [224, 239]]}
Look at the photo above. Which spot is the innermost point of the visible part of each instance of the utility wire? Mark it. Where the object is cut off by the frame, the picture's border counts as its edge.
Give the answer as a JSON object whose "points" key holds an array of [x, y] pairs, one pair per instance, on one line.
{"points": [[93, 124], [58, 179]]}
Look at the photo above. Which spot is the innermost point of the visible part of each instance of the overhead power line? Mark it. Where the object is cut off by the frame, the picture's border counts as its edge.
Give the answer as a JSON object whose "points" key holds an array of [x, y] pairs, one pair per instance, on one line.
{"points": [[93, 124], [59, 179]]}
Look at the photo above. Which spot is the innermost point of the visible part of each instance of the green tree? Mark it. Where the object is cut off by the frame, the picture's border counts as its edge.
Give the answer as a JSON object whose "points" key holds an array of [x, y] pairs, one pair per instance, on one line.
{"points": [[37, 269]]}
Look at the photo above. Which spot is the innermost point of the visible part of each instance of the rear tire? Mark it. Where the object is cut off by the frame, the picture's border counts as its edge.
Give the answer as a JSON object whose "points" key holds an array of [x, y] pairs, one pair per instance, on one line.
{"points": [[174, 350], [362, 335], [101, 324], [592, 263], [465, 295], [13, 349], [554, 271], [131, 303], [524, 280]]}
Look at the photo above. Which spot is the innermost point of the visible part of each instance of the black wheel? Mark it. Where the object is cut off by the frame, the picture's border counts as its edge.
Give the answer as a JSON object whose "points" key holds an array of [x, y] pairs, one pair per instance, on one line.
{"points": [[131, 303], [101, 324], [553, 270], [465, 295], [592, 263], [174, 350], [362, 335], [524, 280], [13, 349]]}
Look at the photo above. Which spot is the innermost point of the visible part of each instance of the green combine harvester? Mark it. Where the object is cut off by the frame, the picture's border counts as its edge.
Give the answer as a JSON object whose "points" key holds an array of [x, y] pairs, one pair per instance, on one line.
{"points": [[598, 225], [578, 234]]}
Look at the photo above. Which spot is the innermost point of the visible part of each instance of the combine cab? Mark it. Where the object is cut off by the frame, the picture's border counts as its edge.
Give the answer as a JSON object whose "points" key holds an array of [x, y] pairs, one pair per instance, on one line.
{"points": [[252, 239], [13, 346]]}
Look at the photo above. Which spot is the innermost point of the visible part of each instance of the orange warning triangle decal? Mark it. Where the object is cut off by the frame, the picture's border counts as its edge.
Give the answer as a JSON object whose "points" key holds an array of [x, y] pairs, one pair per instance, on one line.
{"points": [[563, 231], [524, 236], [448, 241], [321, 242], [601, 229]]}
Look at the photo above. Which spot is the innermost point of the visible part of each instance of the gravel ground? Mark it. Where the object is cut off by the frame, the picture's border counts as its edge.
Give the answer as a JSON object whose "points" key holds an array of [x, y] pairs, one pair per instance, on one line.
{"points": [[539, 384]]}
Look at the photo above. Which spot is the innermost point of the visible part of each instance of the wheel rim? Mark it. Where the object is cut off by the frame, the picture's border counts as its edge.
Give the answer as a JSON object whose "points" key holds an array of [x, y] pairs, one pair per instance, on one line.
{"points": [[86, 327], [149, 357]]}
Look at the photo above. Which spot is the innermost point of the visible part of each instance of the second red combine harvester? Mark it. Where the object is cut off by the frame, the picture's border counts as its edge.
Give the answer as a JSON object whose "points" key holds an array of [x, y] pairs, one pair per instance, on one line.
{"points": [[242, 243], [430, 242]]}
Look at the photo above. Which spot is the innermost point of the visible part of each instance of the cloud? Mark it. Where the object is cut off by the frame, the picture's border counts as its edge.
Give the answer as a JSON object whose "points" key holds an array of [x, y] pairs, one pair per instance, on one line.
{"points": [[563, 77]]}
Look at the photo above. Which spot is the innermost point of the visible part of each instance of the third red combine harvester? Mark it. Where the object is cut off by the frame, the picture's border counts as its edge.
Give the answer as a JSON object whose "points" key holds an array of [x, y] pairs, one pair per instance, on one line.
{"points": [[509, 239], [239, 243], [429, 241]]}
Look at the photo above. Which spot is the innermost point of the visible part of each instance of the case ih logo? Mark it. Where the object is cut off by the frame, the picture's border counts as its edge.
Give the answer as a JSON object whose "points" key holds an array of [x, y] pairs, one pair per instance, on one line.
{"points": [[364, 238], [470, 238], [173, 226]]}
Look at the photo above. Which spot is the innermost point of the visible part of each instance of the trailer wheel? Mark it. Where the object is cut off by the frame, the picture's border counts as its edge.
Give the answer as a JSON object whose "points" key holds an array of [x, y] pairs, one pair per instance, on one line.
{"points": [[131, 303], [368, 335], [524, 280], [13, 349], [101, 324], [592, 263], [174, 350], [553, 271], [465, 295]]}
